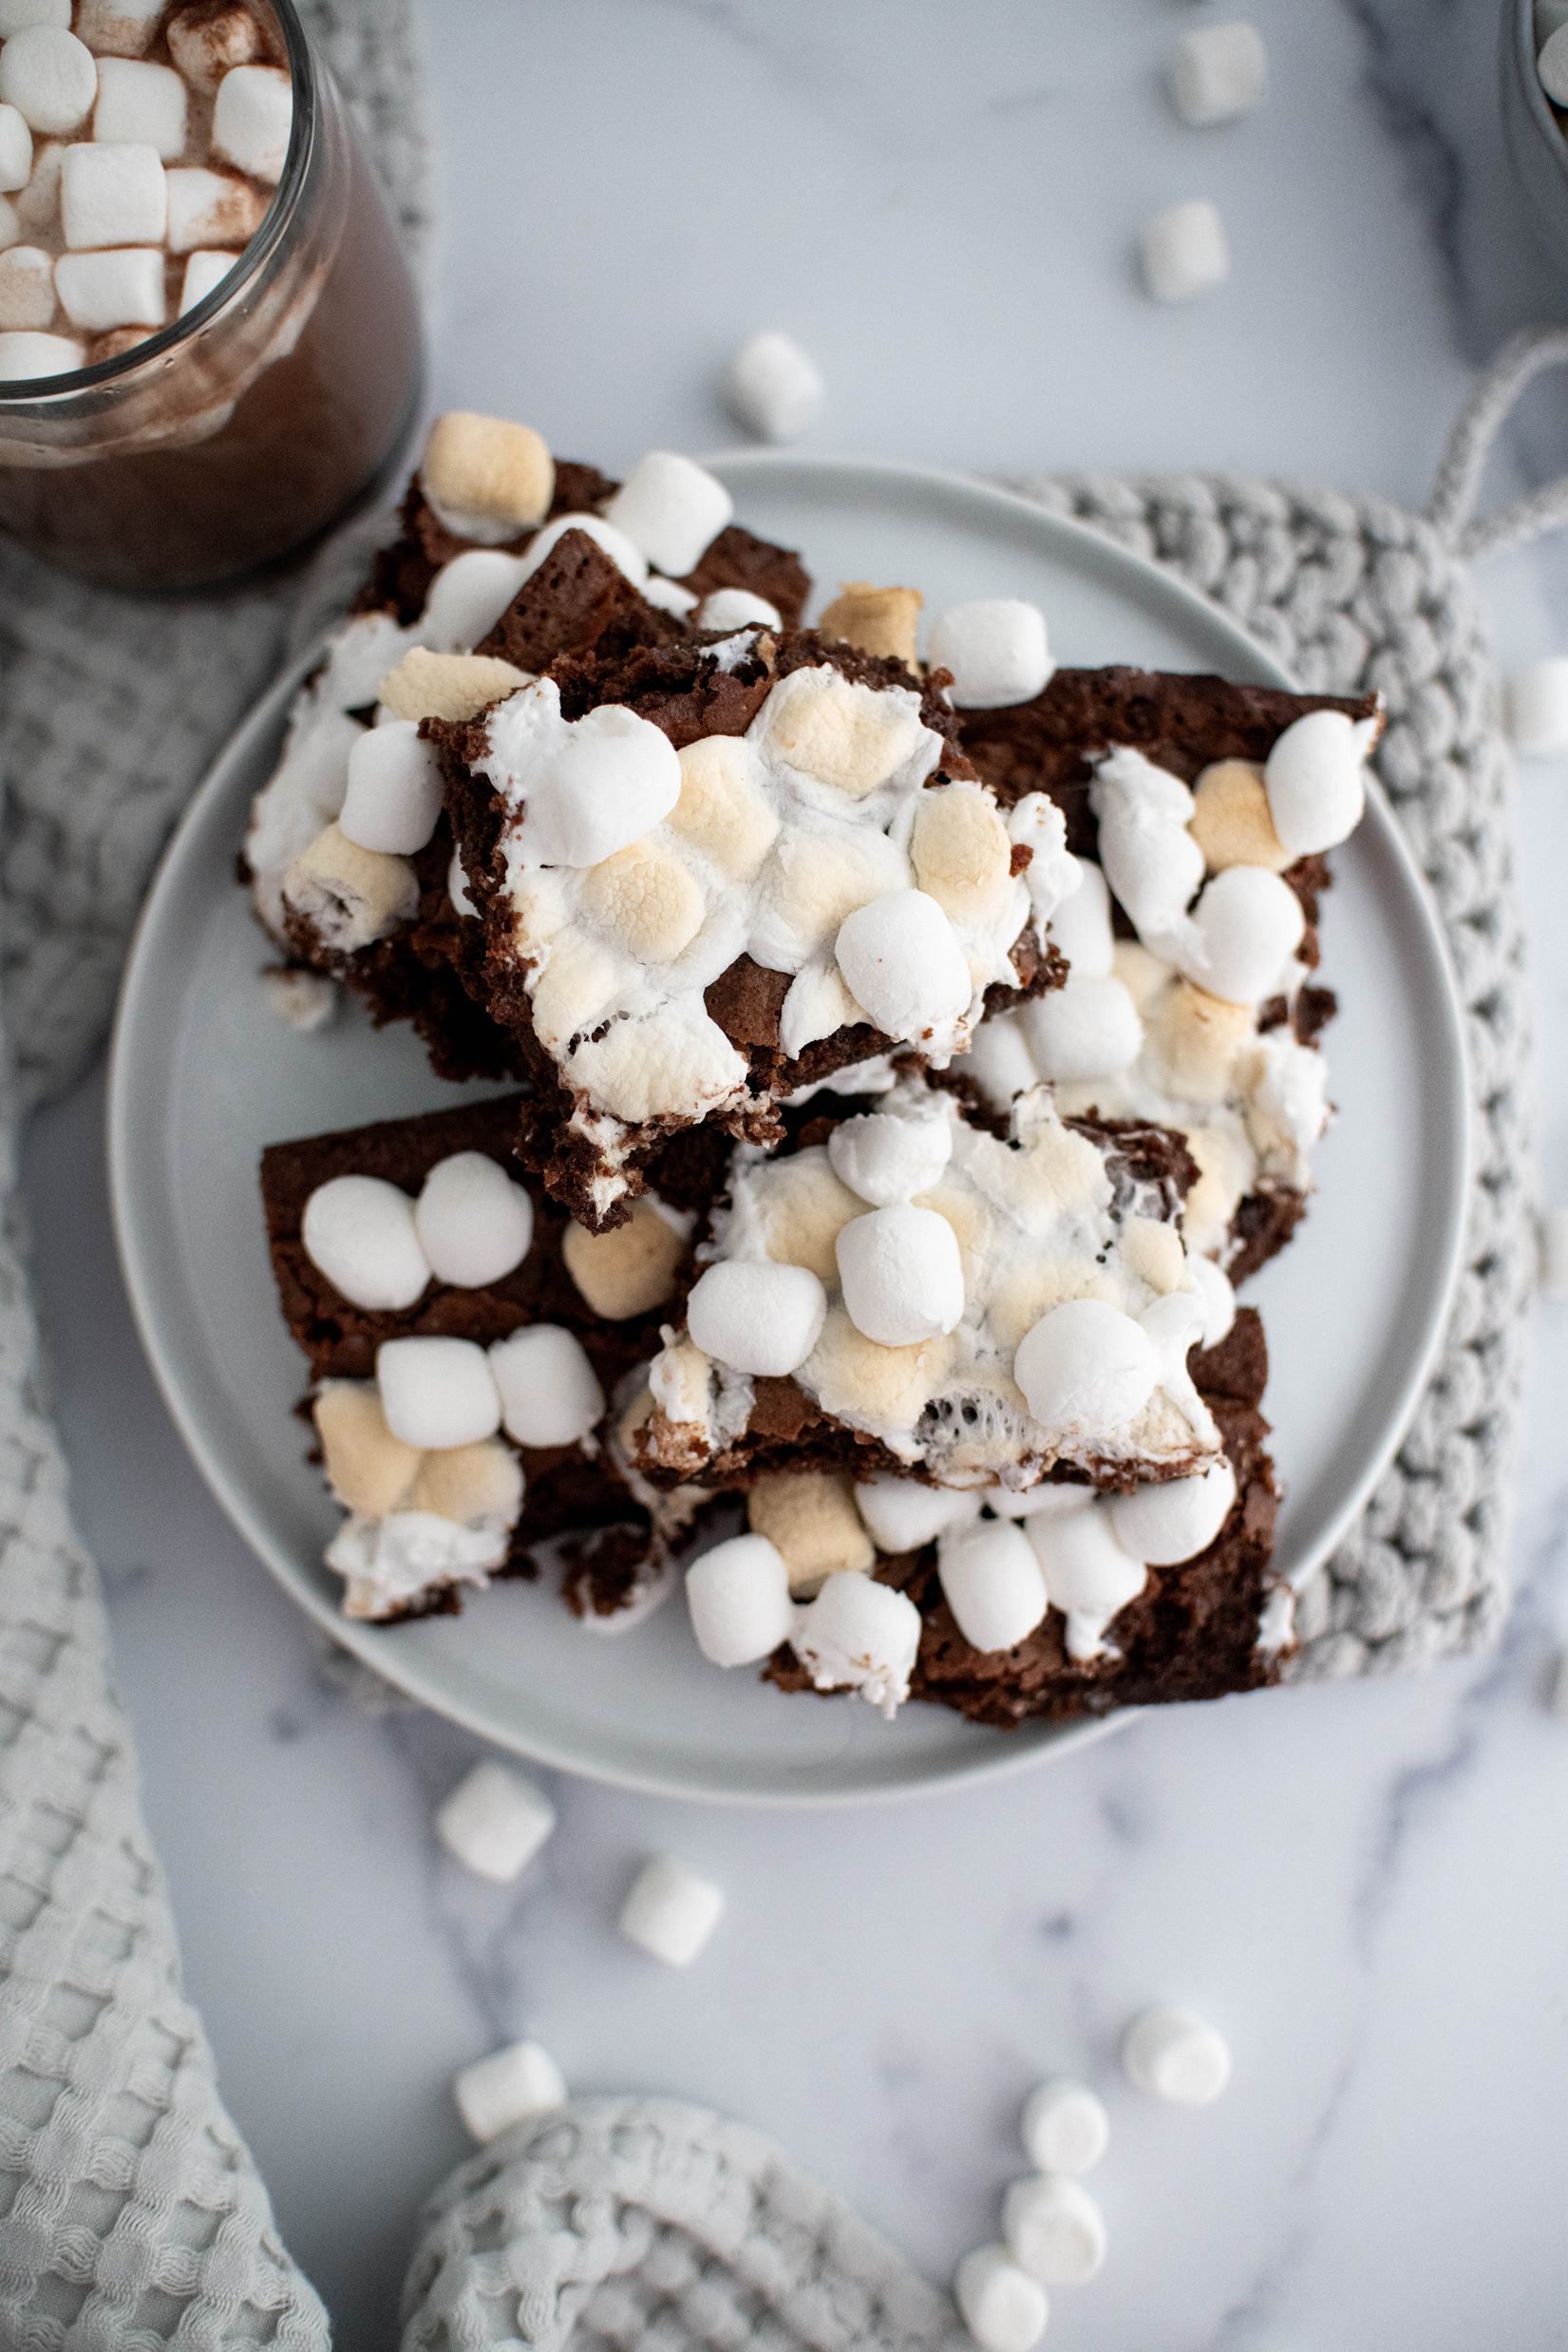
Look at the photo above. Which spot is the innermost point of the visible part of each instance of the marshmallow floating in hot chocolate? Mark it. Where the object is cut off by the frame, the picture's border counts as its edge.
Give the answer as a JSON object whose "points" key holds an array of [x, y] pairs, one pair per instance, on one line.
{"points": [[997, 651], [495, 1821], [902, 1276], [1184, 252], [26, 355], [1065, 2127], [670, 1913], [738, 1598], [49, 77], [1004, 2309], [1217, 72], [141, 103], [550, 1393], [253, 116], [360, 1232], [15, 149], [759, 1319], [669, 509], [474, 1224], [113, 196], [991, 1583], [859, 1636], [394, 794], [504, 2088], [437, 1392], [124, 288], [205, 43], [204, 272], [773, 387], [1053, 2229], [1174, 2054]]}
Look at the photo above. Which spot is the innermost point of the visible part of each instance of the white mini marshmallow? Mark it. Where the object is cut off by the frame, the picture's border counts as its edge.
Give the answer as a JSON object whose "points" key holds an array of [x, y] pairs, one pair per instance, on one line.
{"points": [[1089, 1574], [304, 1001], [26, 287], [1316, 779], [1053, 874], [738, 1598], [757, 1319], [669, 596], [670, 509], [141, 103], [24, 356], [1248, 925], [902, 1514], [1050, 1499], [457, 886], [859, 1636], [737, 608], [474, 1224], [467, 598], [1175, 1519], [670, 1913], [504, 2089], [550, 1393], [209, 210], [999, 1061], [1174, 2054], [887, 1159], [359, 1231], [112, 196], [494, 1822], [49, 77], [124, 288], [1218, 1299], [903, 962], [437, 1392], [1065, 2127], [629, 561], [1535, 705], [1004, 2309], [997, 651], [1089, 1029], [1082, 926], [1552, 66], [991, 1581], [609, 781], [1053, 2229], [204, 272], [773, 387], [902, 1276], [1217, 72], [1554, 1253], [119, 27], [1086, 1366], [1184, 252], [394, 794], [14, 14], [253, 117], [15, 149]]}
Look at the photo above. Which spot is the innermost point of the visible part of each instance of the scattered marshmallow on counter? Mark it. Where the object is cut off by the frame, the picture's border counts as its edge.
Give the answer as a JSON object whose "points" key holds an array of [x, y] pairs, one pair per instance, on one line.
{"points": [[991, 1583], [394, 794], [887, 1159], [903, 1515], [437, 1392], [760, 1319], [859, 1636], [997, 651], [549, 1392], [1174, 2054], [670, 1913], [1053, 2229], [494, 1822], [670, 509], [1217, 72], [737, 608], [507, 2087], [301, 1000], [1554, 1254], [1535, 703], [252, 118], [1065, 2126], [773, 387], [903, 962], [359, 1231], [738, 1598], [474, 1224], [902, 1276], [1184, 252], [1004, 2309]]}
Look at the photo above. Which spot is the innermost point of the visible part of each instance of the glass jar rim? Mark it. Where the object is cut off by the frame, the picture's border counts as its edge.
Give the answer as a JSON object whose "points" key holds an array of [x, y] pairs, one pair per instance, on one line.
{"points": [[39, 395]]}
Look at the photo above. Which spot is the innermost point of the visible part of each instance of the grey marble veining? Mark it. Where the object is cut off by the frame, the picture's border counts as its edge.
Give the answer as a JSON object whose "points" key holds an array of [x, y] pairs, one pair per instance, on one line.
{"points": [[1360, 1884]]}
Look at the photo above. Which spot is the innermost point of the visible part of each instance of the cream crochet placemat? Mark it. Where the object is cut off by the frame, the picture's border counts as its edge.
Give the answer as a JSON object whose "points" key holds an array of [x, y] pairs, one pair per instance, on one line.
{"points": [[130, 2213]]}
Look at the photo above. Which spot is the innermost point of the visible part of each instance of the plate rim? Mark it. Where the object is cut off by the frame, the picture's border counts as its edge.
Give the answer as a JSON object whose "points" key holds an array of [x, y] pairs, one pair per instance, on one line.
{"points": [[377, 1646]]}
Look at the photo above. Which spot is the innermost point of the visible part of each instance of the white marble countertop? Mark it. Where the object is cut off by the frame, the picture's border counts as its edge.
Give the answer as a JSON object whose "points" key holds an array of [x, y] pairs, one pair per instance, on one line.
{"points": [[1351, 1881]]}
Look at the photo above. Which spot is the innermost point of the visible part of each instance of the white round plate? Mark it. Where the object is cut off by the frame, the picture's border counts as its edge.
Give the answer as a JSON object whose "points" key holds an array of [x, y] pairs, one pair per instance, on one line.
{"points": [[203, 1076]]}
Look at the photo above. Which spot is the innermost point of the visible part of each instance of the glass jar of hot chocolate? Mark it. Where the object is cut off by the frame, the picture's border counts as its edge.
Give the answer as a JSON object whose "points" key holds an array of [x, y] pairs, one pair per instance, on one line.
{"points": [[209, 337]]}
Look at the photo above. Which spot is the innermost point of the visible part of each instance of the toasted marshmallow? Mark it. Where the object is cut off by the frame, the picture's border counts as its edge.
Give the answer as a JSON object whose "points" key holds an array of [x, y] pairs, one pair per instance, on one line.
{"points": [[628, 1270], [1176, 1520], [669, 509], [1172, 2053], [437, 1391], [648, 900], [720, 810], [670, 1913], [394, 794], [852, 738], [15, 149], [1217, 72], [760, 1319], [1065, 2127], [347, 895], [1534, 701], [359, 1231], [368, 1469], [1089, 1029], [859, 1636], [902, 1514], [1316, 779], [1081, 926], [120, 288], [877, 620], [991, 1581], [203, 273], [1004, 2309], [962, 852], [587, 787], [501, 2090], [485, 479], [141, 104], [467, 598], [474, 1224], [888, 1159], [26, 287], [1000, 1062], [1231, 819], [902, 1275], [482, 1484], [901, 960], [495, 1821], [253, 117], [117, 28], [773, 387], [997, 651], [550, 1393], [810, 1517], [1053, 2229], [812, 883], [737, 608], [738, 1598], [206, 45], [388, 1562], [1184, 252], [210, 209], [49, 77], [1086, 1366], [448, 686], [24, 356]]}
